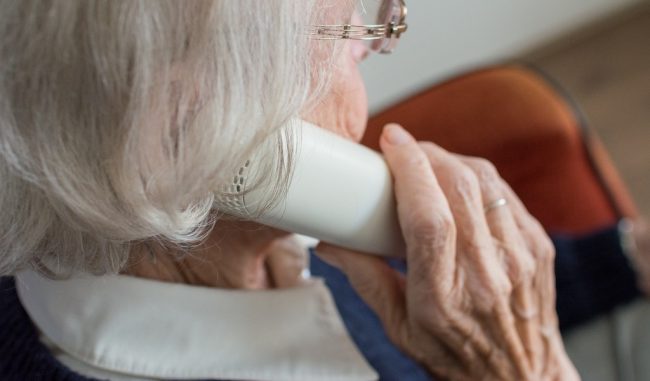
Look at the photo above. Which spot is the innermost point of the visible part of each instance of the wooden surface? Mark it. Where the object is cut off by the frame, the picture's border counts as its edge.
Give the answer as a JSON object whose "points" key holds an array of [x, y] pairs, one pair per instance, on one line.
{"points": [[606, 67]]}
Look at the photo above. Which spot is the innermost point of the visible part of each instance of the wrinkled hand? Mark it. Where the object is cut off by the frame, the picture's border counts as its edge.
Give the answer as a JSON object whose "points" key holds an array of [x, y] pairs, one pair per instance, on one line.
{"points": [[478, 299]]}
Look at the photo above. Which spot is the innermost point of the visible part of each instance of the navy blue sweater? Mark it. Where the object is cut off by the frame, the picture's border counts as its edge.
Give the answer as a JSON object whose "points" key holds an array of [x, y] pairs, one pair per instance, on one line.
{"points": [[593, 277]]}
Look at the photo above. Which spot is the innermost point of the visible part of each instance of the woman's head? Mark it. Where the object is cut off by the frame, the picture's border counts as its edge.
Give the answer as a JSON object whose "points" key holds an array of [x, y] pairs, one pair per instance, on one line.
{"points": [[119, 119]]}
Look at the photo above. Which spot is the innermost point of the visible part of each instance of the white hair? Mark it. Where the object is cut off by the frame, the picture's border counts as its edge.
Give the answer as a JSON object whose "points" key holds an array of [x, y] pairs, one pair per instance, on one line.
{"points": [[119, 119]]}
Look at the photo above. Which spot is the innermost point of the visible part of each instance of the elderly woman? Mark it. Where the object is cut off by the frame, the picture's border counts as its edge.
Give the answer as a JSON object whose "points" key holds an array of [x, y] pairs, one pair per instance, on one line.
{"points": [[120, 120]]}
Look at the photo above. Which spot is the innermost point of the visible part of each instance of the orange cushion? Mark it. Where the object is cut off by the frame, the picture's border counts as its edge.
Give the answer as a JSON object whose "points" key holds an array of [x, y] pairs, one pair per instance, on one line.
{"points": [[514, 118]]}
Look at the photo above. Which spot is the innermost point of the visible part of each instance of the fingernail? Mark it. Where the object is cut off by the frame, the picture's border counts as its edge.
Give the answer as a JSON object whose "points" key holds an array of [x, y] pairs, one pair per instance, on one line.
{"points": [[396, 135]]}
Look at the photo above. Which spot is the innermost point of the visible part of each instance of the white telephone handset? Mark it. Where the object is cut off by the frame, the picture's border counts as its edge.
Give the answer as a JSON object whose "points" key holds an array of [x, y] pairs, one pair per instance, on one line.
{"points": [[340, 192]]}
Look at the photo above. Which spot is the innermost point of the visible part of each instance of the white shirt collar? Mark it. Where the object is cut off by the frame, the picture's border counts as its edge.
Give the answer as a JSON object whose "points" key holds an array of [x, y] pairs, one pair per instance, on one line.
{"points": [[152, 329]]}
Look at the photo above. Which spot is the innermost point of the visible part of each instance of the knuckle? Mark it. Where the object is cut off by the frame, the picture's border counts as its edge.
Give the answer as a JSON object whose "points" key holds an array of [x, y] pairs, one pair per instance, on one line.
{"points": [[465, 182], [521, 264], [544, 249], [495, 291], [501, 286], [484, 169], [418, 162], [434, 226], [504, 288], [527, 268], [539, 242]]}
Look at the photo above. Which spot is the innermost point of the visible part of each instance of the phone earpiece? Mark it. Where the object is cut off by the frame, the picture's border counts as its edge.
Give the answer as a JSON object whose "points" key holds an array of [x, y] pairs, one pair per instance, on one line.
{"points": [[339, 192]]}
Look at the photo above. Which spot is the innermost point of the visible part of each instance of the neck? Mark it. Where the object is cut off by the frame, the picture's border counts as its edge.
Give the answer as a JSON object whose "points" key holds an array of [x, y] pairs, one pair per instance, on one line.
{"points": [[234, 255]]}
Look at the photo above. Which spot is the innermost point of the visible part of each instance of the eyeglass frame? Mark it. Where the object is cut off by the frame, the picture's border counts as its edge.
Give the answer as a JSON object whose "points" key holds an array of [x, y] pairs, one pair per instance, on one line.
{"points": [[362, 32]]}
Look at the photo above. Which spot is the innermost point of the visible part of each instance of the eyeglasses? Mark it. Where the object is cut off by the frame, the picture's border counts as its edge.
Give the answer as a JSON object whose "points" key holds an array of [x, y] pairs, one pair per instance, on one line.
{"points": [[387, 23]]}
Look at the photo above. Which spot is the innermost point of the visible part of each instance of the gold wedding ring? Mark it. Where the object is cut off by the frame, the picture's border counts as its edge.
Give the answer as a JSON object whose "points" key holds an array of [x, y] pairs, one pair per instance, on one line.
{"points": [[495, 204]]}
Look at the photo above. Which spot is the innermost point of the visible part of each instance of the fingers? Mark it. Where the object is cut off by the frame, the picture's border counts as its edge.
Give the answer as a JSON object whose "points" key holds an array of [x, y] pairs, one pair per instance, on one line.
{"points": [[494, 269], [541, 249], [424, 215], [518, 260], [501, 221], [383, 289], [543, 279], [468, 185], [286, 260], [521, 263], [463, 191]]}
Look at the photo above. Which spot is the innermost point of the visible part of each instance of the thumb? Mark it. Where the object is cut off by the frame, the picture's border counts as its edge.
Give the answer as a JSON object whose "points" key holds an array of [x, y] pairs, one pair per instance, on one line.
{"points": [[381, 287]]}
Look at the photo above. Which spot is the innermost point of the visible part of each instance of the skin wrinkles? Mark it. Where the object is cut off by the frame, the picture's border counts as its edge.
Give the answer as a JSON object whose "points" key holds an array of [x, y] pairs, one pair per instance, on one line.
{"points": [[478, 301], [479, 296]]}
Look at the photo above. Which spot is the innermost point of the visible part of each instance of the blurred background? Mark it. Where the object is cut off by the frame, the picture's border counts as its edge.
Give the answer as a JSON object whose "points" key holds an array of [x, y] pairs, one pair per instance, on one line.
{"points": [[599, 50]]}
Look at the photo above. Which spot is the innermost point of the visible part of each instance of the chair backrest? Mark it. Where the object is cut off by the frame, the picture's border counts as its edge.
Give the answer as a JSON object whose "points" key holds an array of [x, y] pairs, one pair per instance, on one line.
{"points": [[517, 118]]}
